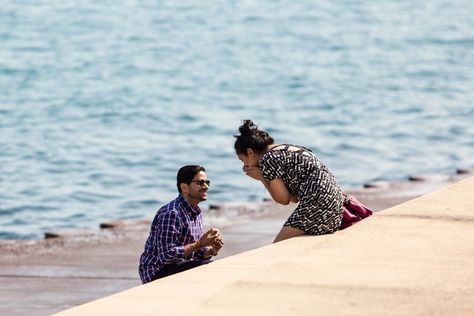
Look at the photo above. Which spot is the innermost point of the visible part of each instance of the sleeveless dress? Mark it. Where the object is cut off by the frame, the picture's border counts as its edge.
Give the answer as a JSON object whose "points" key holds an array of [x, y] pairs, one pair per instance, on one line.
{"points": [[320, 209]]}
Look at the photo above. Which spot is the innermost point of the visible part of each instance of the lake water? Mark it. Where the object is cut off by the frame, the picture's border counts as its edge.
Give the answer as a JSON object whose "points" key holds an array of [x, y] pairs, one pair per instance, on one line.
{"points": [[102, 101]]}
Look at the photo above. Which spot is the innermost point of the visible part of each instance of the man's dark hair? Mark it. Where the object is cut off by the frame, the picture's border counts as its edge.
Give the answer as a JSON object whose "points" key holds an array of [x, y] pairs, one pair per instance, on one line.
{"points": [[186, 174]]}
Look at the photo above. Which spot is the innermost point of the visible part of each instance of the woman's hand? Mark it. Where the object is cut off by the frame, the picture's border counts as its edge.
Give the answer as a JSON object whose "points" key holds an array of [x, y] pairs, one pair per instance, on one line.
{"points": [[253, 172]]}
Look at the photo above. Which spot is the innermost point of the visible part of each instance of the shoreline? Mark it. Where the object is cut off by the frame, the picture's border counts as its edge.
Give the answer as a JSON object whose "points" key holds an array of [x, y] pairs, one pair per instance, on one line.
{"points": [[377, 195], [412, 185]]}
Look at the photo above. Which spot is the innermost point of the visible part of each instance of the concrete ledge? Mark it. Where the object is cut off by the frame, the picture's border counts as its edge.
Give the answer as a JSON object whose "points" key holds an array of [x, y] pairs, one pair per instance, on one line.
{"points": [[415, 258]]}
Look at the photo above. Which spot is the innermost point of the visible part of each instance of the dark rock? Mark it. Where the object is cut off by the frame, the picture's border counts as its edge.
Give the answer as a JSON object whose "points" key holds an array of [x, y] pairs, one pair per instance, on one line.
{"points": [[370, 185], [123, 223], [463, 171], [48, 235]]}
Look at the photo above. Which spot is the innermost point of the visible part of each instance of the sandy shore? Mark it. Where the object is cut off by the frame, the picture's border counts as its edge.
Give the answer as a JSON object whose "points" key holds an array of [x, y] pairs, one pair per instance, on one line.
{"points": [[45, 276]]}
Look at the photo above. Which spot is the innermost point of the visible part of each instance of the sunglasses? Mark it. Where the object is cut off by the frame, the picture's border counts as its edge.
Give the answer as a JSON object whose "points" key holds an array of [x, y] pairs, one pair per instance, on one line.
{"points": [[202, 182]]}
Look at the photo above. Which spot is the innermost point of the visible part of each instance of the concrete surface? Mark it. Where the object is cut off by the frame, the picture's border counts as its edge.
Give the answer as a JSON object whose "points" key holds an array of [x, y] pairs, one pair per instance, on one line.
{"points": [[416, 258]]}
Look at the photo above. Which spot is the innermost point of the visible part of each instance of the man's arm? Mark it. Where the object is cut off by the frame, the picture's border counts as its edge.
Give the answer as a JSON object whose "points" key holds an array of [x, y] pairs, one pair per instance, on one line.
{"points": [[168, 234], [192, 247]]}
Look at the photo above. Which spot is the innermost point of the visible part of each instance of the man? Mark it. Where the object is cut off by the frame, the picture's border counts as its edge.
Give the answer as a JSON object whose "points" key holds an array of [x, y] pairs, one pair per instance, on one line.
{"points": [[176, 242]]}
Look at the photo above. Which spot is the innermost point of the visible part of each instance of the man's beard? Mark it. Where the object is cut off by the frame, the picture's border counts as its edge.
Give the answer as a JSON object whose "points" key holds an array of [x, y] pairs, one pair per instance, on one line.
{"points": [[199, 196]]}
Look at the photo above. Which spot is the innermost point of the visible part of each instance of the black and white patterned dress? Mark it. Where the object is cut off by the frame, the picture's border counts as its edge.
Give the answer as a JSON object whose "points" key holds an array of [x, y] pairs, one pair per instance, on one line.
{"points": [[320, 198]]}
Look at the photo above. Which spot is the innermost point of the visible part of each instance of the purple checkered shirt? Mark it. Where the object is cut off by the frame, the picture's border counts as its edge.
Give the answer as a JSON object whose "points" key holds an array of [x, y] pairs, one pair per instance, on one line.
{"points": [[175, 225]]}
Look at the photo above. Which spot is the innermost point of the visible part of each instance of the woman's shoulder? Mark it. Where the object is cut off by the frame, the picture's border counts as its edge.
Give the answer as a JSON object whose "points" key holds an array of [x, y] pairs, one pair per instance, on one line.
{"points": [[274, 157], [272, 153], [288, 149]]}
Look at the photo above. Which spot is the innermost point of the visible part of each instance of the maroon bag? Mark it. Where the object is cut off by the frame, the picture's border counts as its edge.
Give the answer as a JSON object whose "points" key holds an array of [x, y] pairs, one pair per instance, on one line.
{"points": [[354, 211]]}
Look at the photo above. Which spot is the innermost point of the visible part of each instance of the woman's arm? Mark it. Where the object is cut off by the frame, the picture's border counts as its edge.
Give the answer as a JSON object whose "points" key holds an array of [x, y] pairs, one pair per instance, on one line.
{"points": [[276, 187], [278, 191], [294, 199]]}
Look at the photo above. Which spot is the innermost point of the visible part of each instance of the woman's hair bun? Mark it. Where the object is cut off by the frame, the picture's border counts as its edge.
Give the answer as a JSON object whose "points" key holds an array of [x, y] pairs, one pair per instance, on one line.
{"points": [[248, 128], [251, 137]]}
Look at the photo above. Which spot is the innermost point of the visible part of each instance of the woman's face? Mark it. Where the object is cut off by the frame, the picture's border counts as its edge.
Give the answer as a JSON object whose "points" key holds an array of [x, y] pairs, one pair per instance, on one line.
{"points": [[249, 160]]}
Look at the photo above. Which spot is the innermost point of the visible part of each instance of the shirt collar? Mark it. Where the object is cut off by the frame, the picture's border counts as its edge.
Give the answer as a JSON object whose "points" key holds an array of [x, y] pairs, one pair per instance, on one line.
{"points": [[195, 211]]}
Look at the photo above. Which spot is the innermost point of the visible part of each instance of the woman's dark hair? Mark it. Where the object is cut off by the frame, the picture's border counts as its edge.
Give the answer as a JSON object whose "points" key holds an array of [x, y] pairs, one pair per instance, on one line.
{"points": [[186, 174], [251, 137]]}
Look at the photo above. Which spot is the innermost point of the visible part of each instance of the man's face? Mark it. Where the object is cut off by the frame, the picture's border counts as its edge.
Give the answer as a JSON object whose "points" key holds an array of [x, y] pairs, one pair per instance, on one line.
{"points": [[196, 191]]}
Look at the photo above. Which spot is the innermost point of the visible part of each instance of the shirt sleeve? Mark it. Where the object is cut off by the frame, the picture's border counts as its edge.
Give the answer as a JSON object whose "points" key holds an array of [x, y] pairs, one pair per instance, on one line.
{"points": [[168, 235], [271, 166], [199, 254]]}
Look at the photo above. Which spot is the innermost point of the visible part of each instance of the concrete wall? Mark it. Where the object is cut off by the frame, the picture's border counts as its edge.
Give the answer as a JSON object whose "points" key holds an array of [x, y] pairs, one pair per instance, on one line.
{"points": [[413, 259]]}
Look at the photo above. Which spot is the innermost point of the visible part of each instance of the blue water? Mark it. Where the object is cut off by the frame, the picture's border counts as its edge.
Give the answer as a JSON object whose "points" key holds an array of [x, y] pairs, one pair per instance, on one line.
{"points": [[102, 101]]}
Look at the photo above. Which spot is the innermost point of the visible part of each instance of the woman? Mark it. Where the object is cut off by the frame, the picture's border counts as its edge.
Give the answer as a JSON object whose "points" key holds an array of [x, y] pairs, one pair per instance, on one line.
{"points": [[293, 173]]}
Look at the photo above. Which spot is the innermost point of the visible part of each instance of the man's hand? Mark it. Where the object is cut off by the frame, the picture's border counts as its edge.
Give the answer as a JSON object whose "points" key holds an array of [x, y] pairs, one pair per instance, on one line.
{"points": [[210, 252], [217, 245], [213, 250], [211, 237], [211, 240]]}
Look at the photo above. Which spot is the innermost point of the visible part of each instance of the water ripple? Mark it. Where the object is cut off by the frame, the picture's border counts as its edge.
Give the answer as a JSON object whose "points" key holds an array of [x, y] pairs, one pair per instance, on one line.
{"points": [[100, 105]]}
